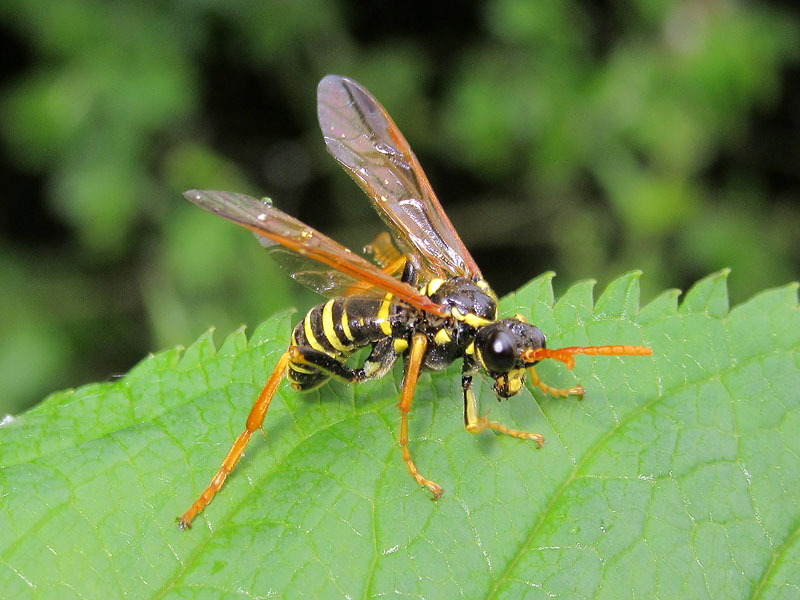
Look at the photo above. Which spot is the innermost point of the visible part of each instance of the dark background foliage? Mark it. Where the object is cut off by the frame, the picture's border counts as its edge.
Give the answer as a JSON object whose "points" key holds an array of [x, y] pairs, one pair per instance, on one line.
{"points": [[585, 138]]}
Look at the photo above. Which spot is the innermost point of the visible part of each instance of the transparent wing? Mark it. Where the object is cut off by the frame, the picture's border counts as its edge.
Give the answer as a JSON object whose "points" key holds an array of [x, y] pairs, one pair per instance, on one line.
{"points": [[311, 257], [317, 276], [363, 138]]}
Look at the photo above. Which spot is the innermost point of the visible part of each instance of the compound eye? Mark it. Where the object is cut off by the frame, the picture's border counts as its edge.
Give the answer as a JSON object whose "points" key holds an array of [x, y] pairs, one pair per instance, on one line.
{"points": [[498, 352]]}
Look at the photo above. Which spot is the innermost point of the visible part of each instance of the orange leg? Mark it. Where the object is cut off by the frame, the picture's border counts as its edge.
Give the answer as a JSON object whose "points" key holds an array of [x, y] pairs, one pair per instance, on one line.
{"points": [[484, 423], [254, 421], [386, 255], [419, 344], [389, 258], [577, 390], [393, 268]]}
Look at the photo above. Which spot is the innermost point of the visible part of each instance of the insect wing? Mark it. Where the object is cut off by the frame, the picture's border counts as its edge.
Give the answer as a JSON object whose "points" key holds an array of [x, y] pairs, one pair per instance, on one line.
{"points": [[313, 258], [360, 135], [317, 276]]}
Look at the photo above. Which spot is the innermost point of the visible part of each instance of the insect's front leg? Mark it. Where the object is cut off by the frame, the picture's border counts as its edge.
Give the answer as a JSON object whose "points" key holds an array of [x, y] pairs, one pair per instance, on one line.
{"points": [[476, 424], [558, 392]]}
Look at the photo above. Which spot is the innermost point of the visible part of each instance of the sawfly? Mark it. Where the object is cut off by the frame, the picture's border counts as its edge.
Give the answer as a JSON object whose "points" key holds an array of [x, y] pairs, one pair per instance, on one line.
{"points": [[422, 301]]}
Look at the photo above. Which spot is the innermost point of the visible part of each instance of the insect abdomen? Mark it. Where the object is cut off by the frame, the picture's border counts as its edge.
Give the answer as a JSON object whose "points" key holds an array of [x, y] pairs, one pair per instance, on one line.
{"points": [[338, 328]]}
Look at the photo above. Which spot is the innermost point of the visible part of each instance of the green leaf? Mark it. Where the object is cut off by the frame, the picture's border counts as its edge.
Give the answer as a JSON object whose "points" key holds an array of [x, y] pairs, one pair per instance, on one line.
{"points": [[678, 475]]}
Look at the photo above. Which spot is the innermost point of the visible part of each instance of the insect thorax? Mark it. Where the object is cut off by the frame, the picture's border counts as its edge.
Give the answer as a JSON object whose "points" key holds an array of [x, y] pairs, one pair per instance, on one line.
{"points": [[471, 305]]}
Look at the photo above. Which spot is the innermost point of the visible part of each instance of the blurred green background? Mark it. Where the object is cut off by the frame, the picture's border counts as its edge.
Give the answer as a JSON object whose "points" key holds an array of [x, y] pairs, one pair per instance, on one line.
{"points": [[587, 138]]}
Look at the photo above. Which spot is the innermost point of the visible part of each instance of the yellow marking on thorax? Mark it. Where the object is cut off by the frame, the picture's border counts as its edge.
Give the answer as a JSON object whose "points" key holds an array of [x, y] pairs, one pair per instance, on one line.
{"points": [[328, 330], [400, 345], [484, 285], [383, 315], [471, 348], [310, 334], [470, 319], [432, 287], [442, 337]]}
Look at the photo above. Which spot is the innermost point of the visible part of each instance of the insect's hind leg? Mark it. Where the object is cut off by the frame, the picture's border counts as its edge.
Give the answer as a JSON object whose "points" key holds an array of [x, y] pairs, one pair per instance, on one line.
{"points": [[320, 367], [254, 421], [317, 367], [377, 364]]}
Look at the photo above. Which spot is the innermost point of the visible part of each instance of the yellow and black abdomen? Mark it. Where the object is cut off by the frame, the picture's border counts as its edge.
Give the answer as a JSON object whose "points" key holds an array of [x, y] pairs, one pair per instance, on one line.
{"points": [[338, 328]]}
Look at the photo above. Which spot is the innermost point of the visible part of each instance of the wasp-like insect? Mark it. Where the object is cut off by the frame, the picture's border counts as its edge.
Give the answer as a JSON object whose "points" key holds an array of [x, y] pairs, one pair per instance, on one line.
{"points": [[426, 301]]}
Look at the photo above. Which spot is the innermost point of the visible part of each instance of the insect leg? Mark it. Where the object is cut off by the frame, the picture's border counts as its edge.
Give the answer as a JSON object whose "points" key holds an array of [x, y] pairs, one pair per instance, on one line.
{"points": [[383, 250], [393, 268], [377, 364], [419, 343], [324, 363], [577, 390], [389, 259], [567, 356], [254, 421], [475, 424], [379, 361]]}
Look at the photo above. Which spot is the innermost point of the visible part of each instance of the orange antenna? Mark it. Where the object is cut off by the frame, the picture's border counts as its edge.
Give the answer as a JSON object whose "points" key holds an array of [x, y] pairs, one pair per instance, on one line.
{"points": [[566, 355]]}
